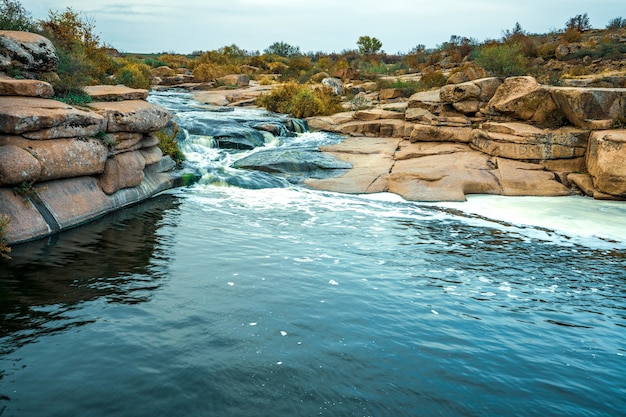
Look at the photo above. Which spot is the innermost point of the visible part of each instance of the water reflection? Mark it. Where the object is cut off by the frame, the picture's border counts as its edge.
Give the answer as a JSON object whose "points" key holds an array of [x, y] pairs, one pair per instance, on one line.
{"points": [[119, 258]]}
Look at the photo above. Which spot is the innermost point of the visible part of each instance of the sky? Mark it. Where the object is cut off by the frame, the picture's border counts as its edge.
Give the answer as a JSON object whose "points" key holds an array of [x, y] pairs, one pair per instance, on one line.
{"points": [[184, 26]]}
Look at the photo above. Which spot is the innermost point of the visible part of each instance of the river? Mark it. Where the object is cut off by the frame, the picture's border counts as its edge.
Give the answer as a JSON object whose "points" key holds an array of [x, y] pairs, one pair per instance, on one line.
{"points": [[250, 295]]}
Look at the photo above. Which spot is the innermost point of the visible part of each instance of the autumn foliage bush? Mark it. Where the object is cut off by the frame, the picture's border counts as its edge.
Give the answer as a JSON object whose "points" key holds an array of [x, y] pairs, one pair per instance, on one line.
{"points": [[300, 100]]}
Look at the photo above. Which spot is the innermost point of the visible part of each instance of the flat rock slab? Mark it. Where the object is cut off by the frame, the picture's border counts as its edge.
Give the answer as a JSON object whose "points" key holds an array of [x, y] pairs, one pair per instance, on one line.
{"points": [[25, 88], [371, 159], [115, 93], [132, 116], [39, 118]]}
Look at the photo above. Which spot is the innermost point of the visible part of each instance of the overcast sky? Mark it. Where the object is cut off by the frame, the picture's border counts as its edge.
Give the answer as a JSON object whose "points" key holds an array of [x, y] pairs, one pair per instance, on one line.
{"points": [[321, 25]]}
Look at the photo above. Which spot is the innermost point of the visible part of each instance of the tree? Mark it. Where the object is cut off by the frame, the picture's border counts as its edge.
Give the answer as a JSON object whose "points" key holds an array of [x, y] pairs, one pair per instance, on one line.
{"points": [[514, 33], [282, 49], [369, 45], [616, 23], [580, 22], [14, 17]]}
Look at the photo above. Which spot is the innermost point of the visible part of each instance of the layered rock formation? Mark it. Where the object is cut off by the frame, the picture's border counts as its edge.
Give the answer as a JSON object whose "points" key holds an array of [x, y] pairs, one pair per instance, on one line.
{"points": [[487, 136], [60, 165]]}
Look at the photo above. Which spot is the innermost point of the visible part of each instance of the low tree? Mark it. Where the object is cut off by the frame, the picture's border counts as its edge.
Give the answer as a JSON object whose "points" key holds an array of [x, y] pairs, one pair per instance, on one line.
{"points": [[282, 49], [368, 45], [14, 17], [580, 22]]}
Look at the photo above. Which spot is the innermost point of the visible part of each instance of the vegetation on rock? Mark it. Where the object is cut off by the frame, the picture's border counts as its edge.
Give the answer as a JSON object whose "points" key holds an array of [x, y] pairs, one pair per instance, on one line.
{"points": [[4, 248]]}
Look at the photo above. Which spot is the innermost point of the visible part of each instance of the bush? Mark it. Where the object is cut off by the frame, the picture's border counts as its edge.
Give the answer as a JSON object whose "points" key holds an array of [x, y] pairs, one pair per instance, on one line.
{"points": [[4, 248], [408, 88], [168, 144], [134, 75], [502, 60], [616, 23], [432, 79], [300, 101], [209, 71]]}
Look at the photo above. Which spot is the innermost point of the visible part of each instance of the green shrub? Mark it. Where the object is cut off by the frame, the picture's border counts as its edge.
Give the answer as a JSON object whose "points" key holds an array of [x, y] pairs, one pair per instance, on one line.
{"points": [[4, 248], [408, 88], [300, 101], [502, 60], [168, 144], [134, 75]]}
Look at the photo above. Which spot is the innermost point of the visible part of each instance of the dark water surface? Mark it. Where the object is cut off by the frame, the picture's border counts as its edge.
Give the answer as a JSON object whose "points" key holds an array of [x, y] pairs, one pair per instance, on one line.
{"points": [[223, 301]]}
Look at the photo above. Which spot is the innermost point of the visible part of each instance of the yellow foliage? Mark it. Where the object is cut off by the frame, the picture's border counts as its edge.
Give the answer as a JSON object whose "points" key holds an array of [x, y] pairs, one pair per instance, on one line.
{"points": [[208, 71]]}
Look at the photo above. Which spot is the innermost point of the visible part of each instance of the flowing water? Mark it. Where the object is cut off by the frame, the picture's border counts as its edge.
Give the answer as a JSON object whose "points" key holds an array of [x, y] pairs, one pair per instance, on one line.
{"points": [[250, 295]]}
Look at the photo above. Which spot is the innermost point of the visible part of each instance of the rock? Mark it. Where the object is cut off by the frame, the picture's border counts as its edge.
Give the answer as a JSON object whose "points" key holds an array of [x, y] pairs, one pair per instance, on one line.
{"points": [[330, 123], [488, 87], [381, 128], [525, 142], [428, 100], [453, 93], [163, 71], [318, 77], [561, 51], [458, 78], [149, 141], [27, 51], [616, 80], [17, 165], [335, 84], [418, 114], [377, 114], [174, 80], [371, 160], [519, 97], [432, 133], [240, 80], [39, 118], [123, 141], [584, 106], [390, 93], [151, 155], [122, 171], [25, 88], [26, 222], [132, 116], [346, 74], [290, 161], [524, 179], [63, 158], [468, 107], [444, 177], [115, 93], [606, 161]]}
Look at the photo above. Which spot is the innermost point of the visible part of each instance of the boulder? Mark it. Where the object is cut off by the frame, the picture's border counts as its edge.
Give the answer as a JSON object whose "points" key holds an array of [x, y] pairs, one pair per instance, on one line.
{"points": [[468, 107], [382, 128], [17, 165], [63, 158], [346, 74], [132, 116], [152, 154], [519, 97], [525, 142], [38, 118], [390, 93], [27, 51], [115, 93], [240, 80], [428, 100], [25, 88], [335, 84], [488, 87], [606, 161], [584, 106], [122, 171], [26, 221], [453, 93], [290, 161], [123, 142]]}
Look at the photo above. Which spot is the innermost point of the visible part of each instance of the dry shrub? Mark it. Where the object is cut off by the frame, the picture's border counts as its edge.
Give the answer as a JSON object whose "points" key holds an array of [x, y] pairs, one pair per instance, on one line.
{"points": [[300, 101]]}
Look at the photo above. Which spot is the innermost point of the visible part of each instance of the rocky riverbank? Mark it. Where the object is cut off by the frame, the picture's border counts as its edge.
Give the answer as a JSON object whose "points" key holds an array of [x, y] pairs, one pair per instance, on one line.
{"points": [[63, 165]]}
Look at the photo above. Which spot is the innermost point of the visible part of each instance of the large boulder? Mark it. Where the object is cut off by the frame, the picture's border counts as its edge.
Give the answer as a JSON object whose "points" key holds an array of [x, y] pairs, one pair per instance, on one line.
{"points": [[453, 93], [132, 116], [606, 161], [335, 84], [61, 158], [522, 98], [38, 118], [290, 161], [591, 107], [525, 142], [240, 80], [122, 171], [27, 51]]}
